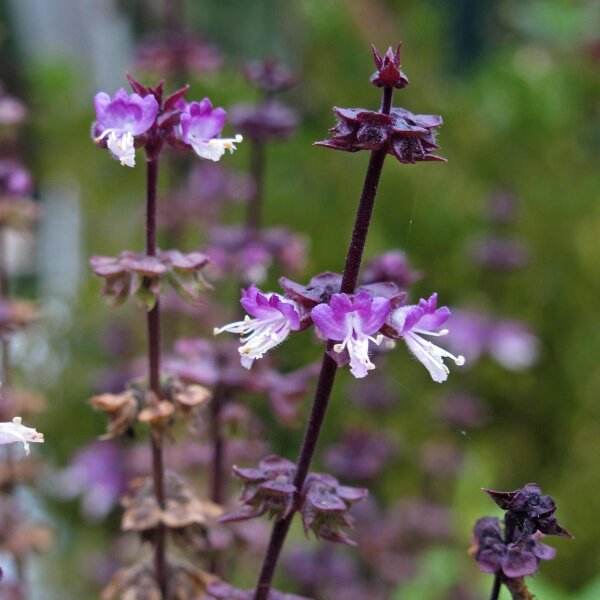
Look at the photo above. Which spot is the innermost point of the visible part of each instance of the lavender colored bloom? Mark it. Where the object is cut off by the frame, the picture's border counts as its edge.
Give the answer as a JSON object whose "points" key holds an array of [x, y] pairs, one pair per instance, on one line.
{"points": [[170, 53], [501, 207], [233, 249], [12, 110], [494, 555], [391, 266], [15, 179], [508, 341], [16, 432], [274, 318], [96, 474], [121, 119], [270, 76], [513, 345], [462, 410], [414, 321], [270, 120], [361, 455], [500, 253], [200, 126], [352, 321]]}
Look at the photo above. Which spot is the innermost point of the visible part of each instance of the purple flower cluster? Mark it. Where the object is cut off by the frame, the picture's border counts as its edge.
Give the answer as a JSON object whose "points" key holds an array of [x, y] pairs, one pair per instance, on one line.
{"points": [[128, 121], [235, 251], [322, 501], [512, 549], [408, 137], [495, 555], [509, 342], [136, 275], [353, 321]]}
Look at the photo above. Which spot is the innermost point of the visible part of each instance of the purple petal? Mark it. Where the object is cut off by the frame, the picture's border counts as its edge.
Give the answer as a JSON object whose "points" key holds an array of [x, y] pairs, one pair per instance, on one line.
{"points": [[378, 313], [543, 551], [328, 322], [519, 562]]}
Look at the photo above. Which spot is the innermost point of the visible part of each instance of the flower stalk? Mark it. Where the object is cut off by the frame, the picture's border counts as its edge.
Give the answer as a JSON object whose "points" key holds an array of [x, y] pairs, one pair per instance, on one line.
{"points": [[154, 348], [328, 365]]}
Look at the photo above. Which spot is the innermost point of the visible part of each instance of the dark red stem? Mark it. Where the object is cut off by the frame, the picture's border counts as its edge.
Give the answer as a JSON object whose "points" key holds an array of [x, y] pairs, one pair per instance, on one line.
{"points": [[496, 588], [328, 365], [154, 342]]}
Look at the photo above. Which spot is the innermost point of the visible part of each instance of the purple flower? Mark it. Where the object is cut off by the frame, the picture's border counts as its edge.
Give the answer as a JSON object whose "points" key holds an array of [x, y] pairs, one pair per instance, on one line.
{"points": [[96, 474], [352, 321], [121, 119], [269, 120], [325, 507], [15, 179], [414, 321], [274, 318], [360, 455], [513, 345], [509, 342], [391, 266], [267, 489], [500, 253], [169, 53], [270, 76], [494, 555], [529, 510], [200, 126], [409, 138]]}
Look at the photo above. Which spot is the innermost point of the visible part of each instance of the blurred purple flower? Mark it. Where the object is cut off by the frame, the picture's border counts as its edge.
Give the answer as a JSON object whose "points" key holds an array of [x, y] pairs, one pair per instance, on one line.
{"points": [[321, 568], [352, 321], [502, 207], [361, 455], [170, 54], [511, 343], [462, 410], [441, 458], [121, 119], [274, 318], [97, 475], [391, 266], [270, 120], [235, 250], [500, 253], [12, 110], [15, 179], [412, 322], [375, 393], [269, 75]]}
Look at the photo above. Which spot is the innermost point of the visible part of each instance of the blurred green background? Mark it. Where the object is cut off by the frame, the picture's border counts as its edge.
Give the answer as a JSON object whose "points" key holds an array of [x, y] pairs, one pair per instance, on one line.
{"points": [[517, 83]]}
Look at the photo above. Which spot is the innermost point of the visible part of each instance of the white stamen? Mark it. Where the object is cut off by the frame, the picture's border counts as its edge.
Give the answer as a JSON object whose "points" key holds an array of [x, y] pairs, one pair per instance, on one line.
{"points": [[122, 147], [215, 148]]}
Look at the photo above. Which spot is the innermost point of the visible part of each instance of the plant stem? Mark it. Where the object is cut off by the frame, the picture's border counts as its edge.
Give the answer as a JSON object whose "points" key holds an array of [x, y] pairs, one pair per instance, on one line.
{"points": [[496, 588], [328, 365], [154, 342]]}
